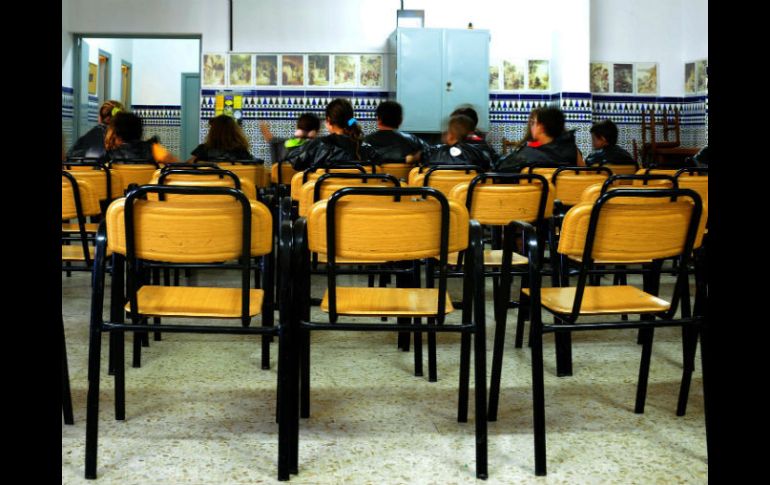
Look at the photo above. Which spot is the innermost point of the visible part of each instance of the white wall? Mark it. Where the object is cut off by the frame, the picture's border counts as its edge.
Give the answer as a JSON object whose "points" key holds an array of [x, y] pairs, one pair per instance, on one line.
{"points": [[119, 50], [695, 30], [158, 64], [571, 43], [664, 31]]}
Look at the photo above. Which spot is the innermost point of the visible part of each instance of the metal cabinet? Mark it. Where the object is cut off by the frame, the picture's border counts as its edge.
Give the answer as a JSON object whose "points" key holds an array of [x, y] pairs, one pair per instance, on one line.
{"points": [[436, 70]]}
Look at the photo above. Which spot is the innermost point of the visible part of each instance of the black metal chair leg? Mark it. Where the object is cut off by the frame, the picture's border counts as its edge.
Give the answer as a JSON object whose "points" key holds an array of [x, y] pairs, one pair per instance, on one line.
{"points": [[418, 348], [304, 353], [432, 372], [465, 369], [644, 369], [120, 375], [66, 395]]}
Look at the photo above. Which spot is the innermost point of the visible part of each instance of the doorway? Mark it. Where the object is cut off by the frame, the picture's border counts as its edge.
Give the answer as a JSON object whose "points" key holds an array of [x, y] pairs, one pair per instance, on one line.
{"points": [[142, 72]]}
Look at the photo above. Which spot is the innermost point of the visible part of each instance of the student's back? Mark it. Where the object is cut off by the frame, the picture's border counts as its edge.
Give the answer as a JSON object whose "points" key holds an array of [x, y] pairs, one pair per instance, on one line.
{"points": [[91, 144], [389, 143]]}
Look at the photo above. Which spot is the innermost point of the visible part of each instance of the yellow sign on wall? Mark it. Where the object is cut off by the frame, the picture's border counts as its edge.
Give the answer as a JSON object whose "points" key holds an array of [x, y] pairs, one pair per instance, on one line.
{"points": [[93, 72]]}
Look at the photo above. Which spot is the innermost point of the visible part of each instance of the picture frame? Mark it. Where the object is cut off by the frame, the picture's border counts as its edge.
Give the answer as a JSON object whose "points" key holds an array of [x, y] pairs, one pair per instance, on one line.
{"points": [[689, 78], [214, 69], [646, 77], [266, 71], [601, 78], [701, 75], [93, 74], [292, 70], [345, 68], [539, 78], [318, 69], [241, 70], [513, 74], [370, 71], [623, 78], [494, 78]]}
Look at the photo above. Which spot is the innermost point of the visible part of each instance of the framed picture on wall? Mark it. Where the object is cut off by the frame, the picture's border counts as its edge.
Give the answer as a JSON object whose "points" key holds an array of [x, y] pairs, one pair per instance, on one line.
{"points": [[241, 70], [267, 70], [371, 71], [214, 69], [93, 73], [689, 78], [318, 70], [623, 78], [539, 78], [344, 70], [646, 77], [292, 70], [600, 77], [513, 75], [701, 75], [494, 78]]}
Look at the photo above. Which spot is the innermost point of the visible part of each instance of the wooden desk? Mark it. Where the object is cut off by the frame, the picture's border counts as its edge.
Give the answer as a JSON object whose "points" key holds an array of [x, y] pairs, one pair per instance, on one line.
{"points": [[672, 157]]}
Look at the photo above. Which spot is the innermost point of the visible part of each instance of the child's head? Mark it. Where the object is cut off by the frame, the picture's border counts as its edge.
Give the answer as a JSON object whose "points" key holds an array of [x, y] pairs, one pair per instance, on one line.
{"points": [[546, 122], [389, 115], [124, 127], [226, 134], [108, 109], [604, 134], [459, 127], [308, 125], [470, 113]]}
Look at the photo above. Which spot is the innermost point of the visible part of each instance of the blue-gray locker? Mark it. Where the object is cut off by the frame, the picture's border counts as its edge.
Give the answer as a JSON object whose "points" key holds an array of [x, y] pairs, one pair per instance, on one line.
{"points": [[437, 70]]}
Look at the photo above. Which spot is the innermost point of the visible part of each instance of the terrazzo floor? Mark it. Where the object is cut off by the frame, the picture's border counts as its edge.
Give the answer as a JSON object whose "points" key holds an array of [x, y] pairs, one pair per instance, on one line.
{"points": [[201, 411]]}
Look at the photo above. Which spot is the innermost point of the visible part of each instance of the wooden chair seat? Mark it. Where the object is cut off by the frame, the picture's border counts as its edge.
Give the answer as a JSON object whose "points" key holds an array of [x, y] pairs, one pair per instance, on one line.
{"points": [[179, 301], [74, 252], [397, 302], [493, 257], [322, 259], [602, 300]]}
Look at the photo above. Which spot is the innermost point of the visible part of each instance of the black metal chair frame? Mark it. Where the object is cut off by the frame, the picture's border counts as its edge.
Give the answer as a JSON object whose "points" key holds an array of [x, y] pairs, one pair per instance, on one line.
{"points": [[566, 322], [82, 236], [117, 326], [473, 316]]}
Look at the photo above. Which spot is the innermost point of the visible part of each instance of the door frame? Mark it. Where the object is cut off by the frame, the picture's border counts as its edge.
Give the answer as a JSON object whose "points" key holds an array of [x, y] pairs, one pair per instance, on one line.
{"points": [[185, 146]]}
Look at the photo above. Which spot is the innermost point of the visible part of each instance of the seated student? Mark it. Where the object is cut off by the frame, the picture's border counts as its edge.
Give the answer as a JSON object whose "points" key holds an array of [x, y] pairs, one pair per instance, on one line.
{"points": [[308, 126], [92, 143], [456, 150], [553, 145], [604, 137], [124, 141], [475, 137], [344, 144], [224, 141], [391, 144]]}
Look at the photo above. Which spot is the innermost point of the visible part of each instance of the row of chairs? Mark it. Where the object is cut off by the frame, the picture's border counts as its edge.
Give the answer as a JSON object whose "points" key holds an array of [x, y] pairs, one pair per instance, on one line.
{"points": [[341, 227]]}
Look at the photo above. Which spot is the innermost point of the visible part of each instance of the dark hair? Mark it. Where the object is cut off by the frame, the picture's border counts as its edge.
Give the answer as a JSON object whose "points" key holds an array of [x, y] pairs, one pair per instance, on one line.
{"points": [[390, 114], [340, 114], [226, 134], [308, 122], [469, 112], [607, 130], [124, 125], [552, 120], [460, 126]]}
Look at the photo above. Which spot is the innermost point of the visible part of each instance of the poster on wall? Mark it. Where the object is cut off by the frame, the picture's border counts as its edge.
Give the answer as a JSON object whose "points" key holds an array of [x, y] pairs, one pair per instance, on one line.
{"points": [[213, 70], [538, 75], [371, 71], [646, 78], [318, 70], [494, 78], [267, 71], [600, 77], [240, 70], [93, 71], [513, 75], [344, 70], [689, 78], [623, 77], [292, 70], [701, 75]]}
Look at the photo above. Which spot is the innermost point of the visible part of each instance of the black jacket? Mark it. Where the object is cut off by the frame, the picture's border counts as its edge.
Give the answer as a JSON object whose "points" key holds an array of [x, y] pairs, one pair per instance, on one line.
{"points": [[205, 154], [328, 150], [134, 150], [561, 152], [394, 145], [610, 154], [459, 154], [91, 144], [480, 142], [701, 158]]}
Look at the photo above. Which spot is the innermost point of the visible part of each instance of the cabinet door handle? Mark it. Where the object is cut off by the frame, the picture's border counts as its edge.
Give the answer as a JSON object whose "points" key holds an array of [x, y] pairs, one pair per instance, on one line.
{"points": [[449, 85]]}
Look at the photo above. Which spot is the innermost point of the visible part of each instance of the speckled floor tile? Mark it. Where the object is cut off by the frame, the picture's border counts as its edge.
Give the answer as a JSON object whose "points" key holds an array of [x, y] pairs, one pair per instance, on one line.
{"points": [[201, 411]]}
